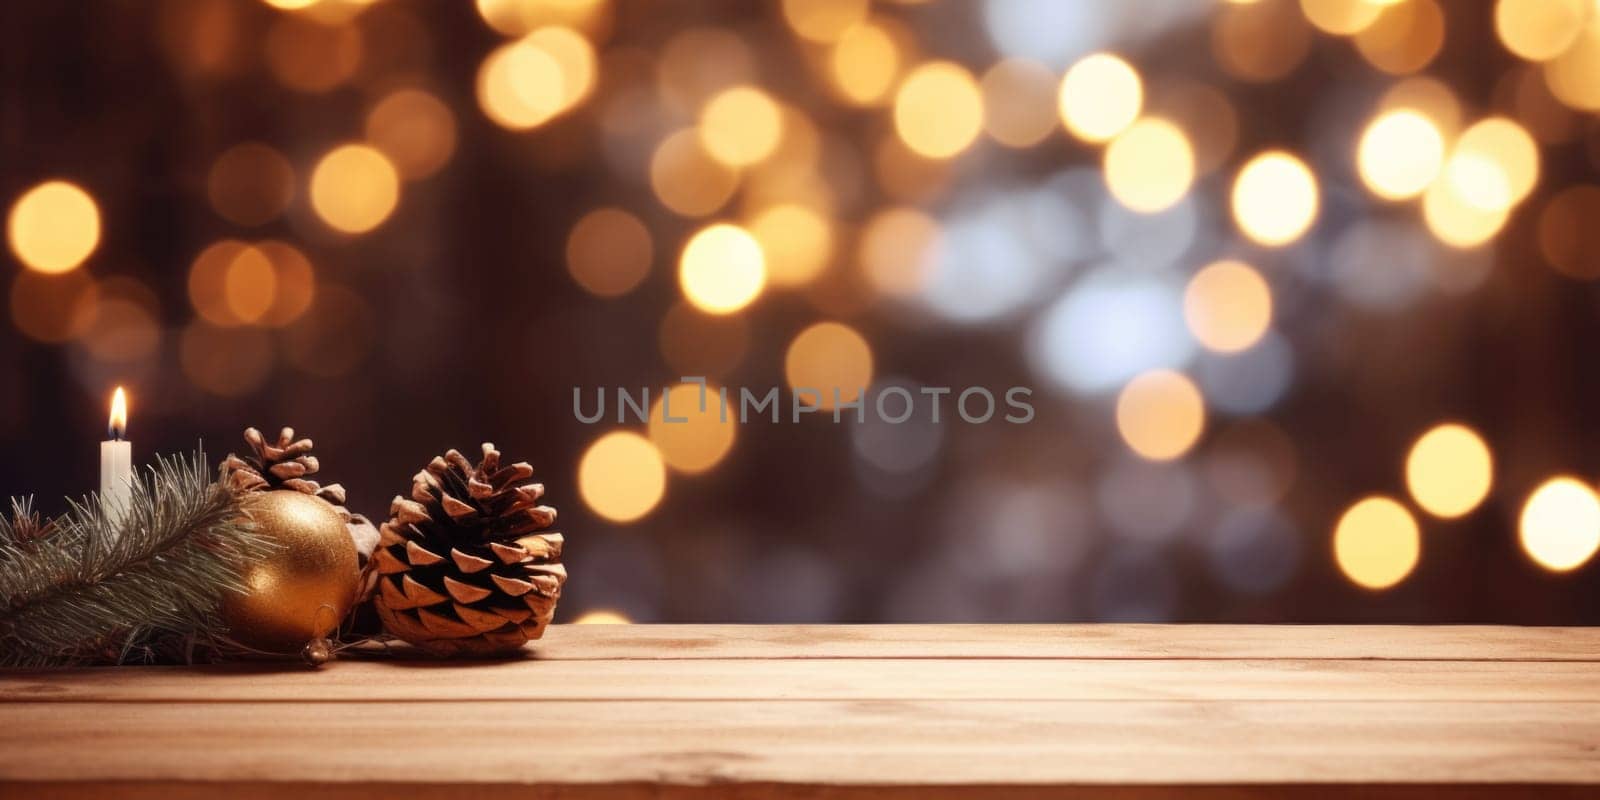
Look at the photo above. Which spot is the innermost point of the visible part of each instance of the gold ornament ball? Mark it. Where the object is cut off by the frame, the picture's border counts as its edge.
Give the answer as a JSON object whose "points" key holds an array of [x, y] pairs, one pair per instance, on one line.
{"points": [[304, 590]]}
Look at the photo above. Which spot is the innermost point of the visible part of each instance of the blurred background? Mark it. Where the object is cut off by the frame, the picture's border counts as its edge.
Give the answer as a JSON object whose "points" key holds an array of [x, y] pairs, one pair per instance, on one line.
{"points": [[1304, 288]]}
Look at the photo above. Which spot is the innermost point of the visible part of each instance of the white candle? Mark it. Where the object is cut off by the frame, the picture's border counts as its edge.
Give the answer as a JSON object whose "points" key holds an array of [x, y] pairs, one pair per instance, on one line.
{"points": [[116, 458]]}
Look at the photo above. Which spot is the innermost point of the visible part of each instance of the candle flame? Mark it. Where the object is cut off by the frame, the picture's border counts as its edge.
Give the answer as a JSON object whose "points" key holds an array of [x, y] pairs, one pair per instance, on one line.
{"points": [[118, 426]]}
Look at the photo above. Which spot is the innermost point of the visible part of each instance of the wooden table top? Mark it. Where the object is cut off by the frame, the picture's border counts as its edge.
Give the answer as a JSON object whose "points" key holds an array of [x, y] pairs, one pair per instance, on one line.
{"points": [[822, 711]]}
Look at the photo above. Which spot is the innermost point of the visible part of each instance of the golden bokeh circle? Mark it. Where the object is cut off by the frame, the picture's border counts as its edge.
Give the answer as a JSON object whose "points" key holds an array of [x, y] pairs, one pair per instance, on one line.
{"points": [[622, 477], [1377, 543], [53, 227], [1160, 415], [831, 362], [1449, 470], [354, 188], [1560, 524]]}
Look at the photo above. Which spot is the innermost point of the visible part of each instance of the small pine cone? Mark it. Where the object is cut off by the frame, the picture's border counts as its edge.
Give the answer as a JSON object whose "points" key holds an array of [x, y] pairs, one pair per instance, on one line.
{"points": [[285, 465], [288, 465], [462, 566]]}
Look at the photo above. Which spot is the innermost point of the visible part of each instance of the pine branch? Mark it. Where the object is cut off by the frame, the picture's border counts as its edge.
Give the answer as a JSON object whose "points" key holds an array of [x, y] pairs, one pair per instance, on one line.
{"points": [[103, 584]]}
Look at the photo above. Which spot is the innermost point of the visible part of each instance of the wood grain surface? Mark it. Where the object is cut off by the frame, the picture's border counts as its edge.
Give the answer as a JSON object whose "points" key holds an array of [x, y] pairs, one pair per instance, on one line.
{"points": [[825, 711]]}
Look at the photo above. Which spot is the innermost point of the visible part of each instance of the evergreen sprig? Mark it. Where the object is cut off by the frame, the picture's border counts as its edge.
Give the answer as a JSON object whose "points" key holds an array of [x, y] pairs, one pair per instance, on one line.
{"points": [[103, 584]]}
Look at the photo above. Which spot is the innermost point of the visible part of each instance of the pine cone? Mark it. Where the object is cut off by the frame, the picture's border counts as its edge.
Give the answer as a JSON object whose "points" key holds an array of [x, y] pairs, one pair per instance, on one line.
{"points": [[284, 465], [287, 465], [461, 567]]}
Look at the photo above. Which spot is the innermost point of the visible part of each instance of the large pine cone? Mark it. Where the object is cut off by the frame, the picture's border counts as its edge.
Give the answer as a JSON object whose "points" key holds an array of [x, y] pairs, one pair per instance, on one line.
{"points": [[288, 465], [461, 568]]}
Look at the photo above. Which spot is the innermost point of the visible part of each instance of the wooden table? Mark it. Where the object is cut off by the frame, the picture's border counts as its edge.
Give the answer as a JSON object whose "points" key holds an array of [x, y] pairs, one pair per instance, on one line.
{"points": [[809, 711]]}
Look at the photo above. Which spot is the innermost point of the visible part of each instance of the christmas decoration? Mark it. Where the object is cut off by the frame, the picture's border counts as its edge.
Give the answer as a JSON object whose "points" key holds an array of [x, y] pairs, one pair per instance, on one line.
{"points": [[288, 465], [136, 582], [304, 591], [462, 567]]}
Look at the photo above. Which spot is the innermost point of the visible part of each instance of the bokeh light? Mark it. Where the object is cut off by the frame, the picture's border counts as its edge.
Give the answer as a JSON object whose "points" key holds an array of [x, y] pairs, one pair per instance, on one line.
{"points": [[249, 285], [722, 269], [864, 63], [1205, 115], [602, 616], [831, 360], [53, 227], [1149, 166], [1560, 524], [740, 126], [693, 431], [517, 17], [1099, 96], [1569, 239], [938, 109], [1228, 306], [521, 86], [53, 308], [1400, 154], [1259, 42], [309, 56], [1454, 219], [294, 283], [1539, 30], [1430, 97], [687, 179], [1494, 165], [797, 242], [1377, 543], [609, 252], [354, 188], [1405, 38], [1342, 17], [1018, 102], [574, 56], [1571, 75], [622, 477], [823, 21], [896, 247], [1160, 415], [1275, 198], [415, 130], [250, 184], [1449, 470], [1110, 326], [699, 62], [126, 324]]}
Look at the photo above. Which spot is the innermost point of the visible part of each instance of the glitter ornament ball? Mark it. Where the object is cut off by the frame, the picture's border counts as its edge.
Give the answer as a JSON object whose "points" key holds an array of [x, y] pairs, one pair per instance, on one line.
{"points": [[302, 592]]}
